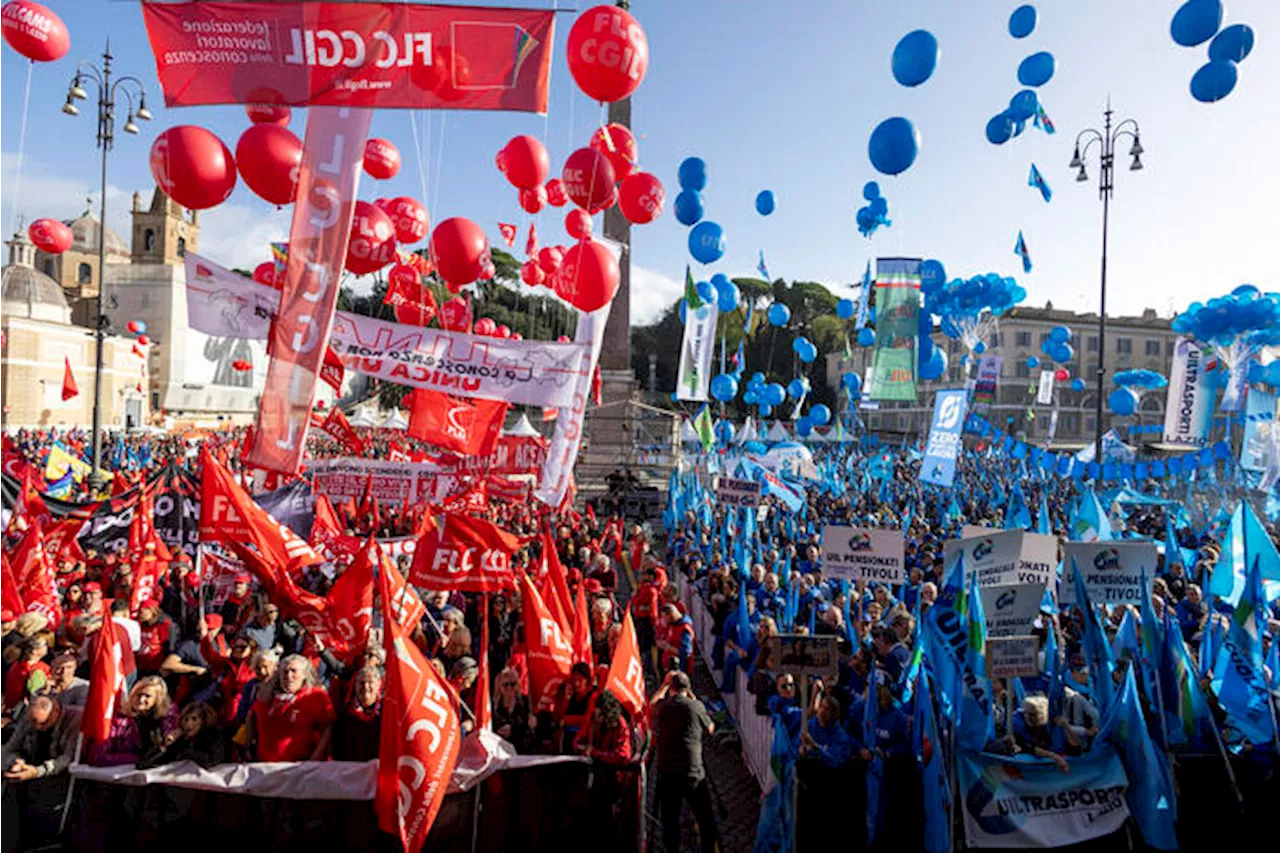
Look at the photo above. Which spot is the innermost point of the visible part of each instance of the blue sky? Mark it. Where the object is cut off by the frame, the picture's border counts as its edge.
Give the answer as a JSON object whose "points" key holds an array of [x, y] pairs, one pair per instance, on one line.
{"points": [[783, 96]]}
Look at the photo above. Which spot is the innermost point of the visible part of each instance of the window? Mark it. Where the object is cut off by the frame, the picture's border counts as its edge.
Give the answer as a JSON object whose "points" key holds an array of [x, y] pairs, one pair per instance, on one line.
{"points": [[1124, 345], [182, 247], [1092, 343], [145, 301], [1090, 371], [1090, 423], [48, 267], [84, 274], [904, 421], [1023, 339], [1153, 348], [149, 240], [1022, 371], [997, 340], [1044, 336]]}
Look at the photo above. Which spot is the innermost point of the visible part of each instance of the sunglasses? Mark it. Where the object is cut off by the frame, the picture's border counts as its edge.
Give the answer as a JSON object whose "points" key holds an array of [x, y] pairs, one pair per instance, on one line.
{"points": [[508, 684]]}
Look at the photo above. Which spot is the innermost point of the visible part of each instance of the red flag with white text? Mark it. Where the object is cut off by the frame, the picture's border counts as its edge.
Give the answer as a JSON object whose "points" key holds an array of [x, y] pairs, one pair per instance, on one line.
{"points": [[470, 427], [106, 683], [460, 553], [331, 370], [626, 675], [337, 427], [547, 651]]}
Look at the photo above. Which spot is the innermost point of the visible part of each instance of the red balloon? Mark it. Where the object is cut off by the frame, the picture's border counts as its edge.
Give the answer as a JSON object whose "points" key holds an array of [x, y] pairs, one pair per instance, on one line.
{"points": [[269, 156], [447, 76], [577, 223], [607, 203], [564, 339], [502, 332], [241, 366], [549, 258], [265, 273], [588, 179], [51, 235], [144, 340], [409, 217], [268, 114], [641, 197], [532, 274], [533, 200], [618, 143], [373, 240], [588, 277], [485, 326], [381, 159], [1061, 374], [453, 315], [488, 271], [524, 161], [193, 167], [460, 250], [516, 336], [555, 193], [34, 31], [133, 326], [404, 276], [608, 53], [320, 405]]}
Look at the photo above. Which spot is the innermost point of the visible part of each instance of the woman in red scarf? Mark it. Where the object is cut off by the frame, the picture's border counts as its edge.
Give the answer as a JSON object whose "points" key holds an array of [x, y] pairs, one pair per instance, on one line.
{"points": [[294, 720]]}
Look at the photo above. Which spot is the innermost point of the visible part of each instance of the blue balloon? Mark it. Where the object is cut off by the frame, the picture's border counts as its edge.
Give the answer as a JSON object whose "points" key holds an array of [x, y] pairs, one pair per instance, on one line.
{"points": [[775, 394], [1122, 402], [979, 348], [999, 130], [719, 281], [1271, 375], [932, 276], [808, 354], [707, 242], [845, 309], [1022, 22], [764, 202], [1195, 22], [934, 369], [1233, 44], [724, 387], [751, 397], [684, 312], [1077, 385], [675, 397], [688, 207], [820, 414], [797, 388], [1023, 105], [915, 57], [879, 208], [871, 315], [724, 432], [870, 190], [693, 174], [804, 426], [779, 314], [1214, 81], [893, 146], [1037, 69], [800, 344], [1033, 362], [706, 292], [866, 337], [727, 297], [1018, 127], [754, 447], [764, 410], [851, 381], [757, 378], [924, 348], [1060, 334]]}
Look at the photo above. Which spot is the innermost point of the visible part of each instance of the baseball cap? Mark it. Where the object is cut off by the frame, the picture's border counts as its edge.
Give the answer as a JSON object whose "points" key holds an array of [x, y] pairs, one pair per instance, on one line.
{"points": [[91, 586], [213, 621], [244, 577]]}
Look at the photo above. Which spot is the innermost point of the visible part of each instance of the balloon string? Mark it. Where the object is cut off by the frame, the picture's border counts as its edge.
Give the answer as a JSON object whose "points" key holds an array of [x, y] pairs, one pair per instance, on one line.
{"points": [[435, 192], [417, 152], [22, 141]]}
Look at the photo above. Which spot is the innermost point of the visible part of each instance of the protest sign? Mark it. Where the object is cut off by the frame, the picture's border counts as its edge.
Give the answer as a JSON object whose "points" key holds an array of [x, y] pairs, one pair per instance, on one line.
{"points": [[862, 553], [803, 654], [1000, 562], [1112, 570], [740, 493], [945, 439], [1013, 657], [1010, 609]]}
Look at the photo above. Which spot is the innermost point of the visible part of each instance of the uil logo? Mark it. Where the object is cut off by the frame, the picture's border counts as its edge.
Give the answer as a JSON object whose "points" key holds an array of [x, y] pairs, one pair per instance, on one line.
{"points": [[949, 412], [983, 549], [1106, 560], [860, 541]]}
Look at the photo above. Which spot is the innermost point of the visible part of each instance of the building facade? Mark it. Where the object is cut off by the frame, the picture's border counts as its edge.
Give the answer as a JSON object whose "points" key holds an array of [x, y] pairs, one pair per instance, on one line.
{"points": [[1131, 343]]}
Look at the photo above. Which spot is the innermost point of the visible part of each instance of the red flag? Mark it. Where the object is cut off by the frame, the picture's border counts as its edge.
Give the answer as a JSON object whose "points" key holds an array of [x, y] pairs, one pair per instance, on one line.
{"points": [[420, 736], [69, 388], [556, 572], [30, 509], [10, 598], [33, 574], [531, 242], [508, 233], [331, 370], [549, 654], [328, 533], [581, 627], [626, 676], [147, 572], [597, 388], [483, 710], [464, 554], [467, 427], [396, 453], [549, 414], [474, 498], [60, 540], [405, 603], [413, 303], [106, 682], [351, 603], [337, 427]]}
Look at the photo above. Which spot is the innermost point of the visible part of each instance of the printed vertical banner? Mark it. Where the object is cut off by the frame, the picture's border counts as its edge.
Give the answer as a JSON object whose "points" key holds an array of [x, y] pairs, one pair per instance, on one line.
{"points": [[893, 375], [1188, 408], [327, 183], [945, 441], [1044, 391], [697, 353], [1259, 443], [987, 380]]}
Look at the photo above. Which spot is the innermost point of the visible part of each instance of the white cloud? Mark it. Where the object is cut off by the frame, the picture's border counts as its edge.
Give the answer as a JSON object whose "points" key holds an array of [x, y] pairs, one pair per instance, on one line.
{"points": [[34, 193], [238, 236], [652, 293]]}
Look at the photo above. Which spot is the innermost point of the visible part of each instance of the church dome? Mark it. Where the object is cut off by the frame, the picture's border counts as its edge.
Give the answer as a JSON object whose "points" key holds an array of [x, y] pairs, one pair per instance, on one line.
{"points": [[84, 231], [27, 292]]}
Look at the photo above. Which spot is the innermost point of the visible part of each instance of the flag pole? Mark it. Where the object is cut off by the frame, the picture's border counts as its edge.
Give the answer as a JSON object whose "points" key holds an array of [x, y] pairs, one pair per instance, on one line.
{"points": [[71, 787]]}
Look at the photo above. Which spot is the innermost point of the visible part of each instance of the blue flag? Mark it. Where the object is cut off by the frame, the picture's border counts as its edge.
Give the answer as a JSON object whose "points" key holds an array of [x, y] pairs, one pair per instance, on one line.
{"points": [[977, 722], [1020, 249], [1037, 180], [1150, 794], [763, 270], [773, 831], [1044, 524], [1096, 648], [1246, 543], [1238, 679], [1089, 522], [933, 775], [875, 768], [1018, 515]]}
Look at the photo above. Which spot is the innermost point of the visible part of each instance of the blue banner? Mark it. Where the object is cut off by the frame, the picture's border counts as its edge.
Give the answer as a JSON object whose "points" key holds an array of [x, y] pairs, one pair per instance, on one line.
{"points": [[945, 441]]}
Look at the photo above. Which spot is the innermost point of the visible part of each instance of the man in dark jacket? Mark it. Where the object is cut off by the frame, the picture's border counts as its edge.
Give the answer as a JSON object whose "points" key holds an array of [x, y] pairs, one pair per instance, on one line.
{"points": [[35, 762], [680, 722]]}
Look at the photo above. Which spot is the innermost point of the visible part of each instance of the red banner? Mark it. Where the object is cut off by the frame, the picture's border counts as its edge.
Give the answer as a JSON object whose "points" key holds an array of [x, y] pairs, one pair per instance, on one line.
{"points": [[549, 654], [327, 182], [352, 54], [464, 554], [468, 427], [332, 371], [626, 676], [337, 427]]}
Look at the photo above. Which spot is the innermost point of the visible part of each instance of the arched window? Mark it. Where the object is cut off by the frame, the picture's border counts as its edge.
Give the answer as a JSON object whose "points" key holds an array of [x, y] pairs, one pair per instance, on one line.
{"points": [[149, 240], [84, 274], [182, 247]]}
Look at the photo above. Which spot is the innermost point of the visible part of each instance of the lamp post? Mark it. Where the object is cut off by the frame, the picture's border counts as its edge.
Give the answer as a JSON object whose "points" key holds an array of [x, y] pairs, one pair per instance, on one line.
{"points": [[1106, 140], [107, 91]]}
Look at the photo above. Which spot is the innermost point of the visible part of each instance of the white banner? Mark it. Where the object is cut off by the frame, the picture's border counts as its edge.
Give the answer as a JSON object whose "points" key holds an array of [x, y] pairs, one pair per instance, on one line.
{"points": [[1005, 557], [1112, 570], [1044, 392], [1188, 408], [530, 373], [566, 441], [697, 352], [1013, 657], [1010, 610], [863, 553], [226, 304], [740, 493]]}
